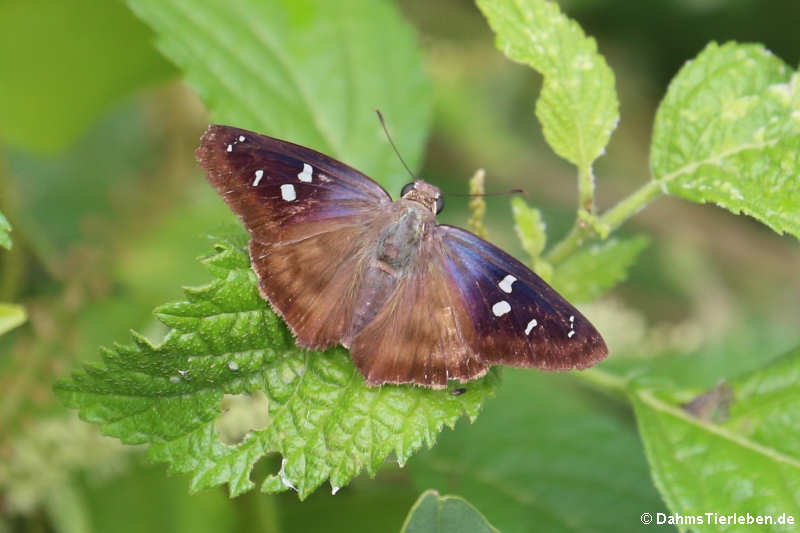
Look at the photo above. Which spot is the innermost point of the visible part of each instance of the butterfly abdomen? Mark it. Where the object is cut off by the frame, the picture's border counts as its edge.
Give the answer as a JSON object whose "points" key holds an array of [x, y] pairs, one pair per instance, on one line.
{"points": [[389, 261]]}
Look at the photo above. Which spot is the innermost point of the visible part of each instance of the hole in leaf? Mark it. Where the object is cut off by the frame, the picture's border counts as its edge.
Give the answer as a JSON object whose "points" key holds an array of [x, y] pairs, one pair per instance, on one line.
{"points": [[241, 413], [265, 467]]}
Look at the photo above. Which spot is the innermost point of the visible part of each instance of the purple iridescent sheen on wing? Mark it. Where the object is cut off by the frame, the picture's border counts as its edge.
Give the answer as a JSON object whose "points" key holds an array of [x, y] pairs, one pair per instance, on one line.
{"points": [[518, 318]]}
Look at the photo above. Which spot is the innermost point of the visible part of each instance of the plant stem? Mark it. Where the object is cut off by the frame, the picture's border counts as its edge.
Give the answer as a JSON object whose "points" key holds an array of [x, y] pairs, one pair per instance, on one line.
{"points": [[586, 189], [477, 204], [611, 219]]}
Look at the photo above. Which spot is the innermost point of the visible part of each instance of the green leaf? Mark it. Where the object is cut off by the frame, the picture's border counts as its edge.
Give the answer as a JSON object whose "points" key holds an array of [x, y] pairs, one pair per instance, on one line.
{"points": [[541, 446], [586, 275], [532, 234], [46, 46], [224, 339], [309, 71], [767, 406], [728, 132], [432, 513], [11, 316], [529, 226], [5, 228], [578, 105], [735, 452]]}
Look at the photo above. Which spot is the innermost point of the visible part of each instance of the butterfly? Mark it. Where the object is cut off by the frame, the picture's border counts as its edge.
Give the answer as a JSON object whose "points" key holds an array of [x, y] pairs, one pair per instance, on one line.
{"points": [[413, 301]]}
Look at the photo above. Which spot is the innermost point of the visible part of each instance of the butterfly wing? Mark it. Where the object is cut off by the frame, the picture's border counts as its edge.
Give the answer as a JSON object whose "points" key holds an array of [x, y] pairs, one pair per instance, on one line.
{"points": [[517, 318], [307, 214]]}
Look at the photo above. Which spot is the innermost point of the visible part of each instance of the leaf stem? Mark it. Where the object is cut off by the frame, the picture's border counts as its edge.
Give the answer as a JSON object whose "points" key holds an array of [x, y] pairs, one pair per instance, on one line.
{"points": [[605, 381], [610, 220]]}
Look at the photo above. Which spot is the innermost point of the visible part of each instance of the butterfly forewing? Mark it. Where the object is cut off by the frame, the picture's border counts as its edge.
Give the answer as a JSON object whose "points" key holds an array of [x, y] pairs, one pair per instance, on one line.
{"points": [[308, 216], [518, 319], [283, 191]]}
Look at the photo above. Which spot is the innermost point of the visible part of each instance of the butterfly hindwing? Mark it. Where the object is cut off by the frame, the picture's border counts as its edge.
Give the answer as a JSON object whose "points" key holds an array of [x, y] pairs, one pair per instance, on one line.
{"points": [[311, 282], [307, 215], [423, 333]]}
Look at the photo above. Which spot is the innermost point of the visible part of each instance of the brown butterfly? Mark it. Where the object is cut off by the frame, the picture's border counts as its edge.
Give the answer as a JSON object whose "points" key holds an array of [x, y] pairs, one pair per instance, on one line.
{"points": [[415, 302]]}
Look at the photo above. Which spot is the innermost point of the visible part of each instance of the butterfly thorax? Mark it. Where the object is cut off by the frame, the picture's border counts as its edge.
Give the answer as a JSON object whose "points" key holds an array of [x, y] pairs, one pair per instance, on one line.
{"points": [[399, 242]]}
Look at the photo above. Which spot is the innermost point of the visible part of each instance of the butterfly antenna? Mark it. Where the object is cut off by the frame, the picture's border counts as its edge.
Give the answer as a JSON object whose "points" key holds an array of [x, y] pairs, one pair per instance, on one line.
{"points": [[510, 191], [386, 131]]}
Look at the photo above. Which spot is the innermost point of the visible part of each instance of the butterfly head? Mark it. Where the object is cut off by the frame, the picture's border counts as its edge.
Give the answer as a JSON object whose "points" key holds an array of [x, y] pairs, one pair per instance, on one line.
{"points": [[428, 195]]}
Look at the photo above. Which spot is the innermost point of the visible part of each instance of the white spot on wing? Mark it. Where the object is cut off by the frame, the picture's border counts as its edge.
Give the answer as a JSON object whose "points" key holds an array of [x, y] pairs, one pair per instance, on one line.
{"points": [[532, 324], [230, 148], [505, 284], [241, 138], [305, 175], [259, 175], [288, 193], [334, 490], [500, 308], [571, 333]]}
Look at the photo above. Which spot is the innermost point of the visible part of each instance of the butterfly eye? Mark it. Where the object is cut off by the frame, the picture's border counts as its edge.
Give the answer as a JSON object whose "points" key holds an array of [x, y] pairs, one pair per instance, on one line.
{"points": [[439, 204], [406, 188]]}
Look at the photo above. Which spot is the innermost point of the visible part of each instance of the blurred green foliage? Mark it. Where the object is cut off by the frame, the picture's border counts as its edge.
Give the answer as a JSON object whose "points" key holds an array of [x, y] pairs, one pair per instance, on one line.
{"points": [[314, 64], [109, 213], [11, 316], [5, 228], [65, 63]]}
